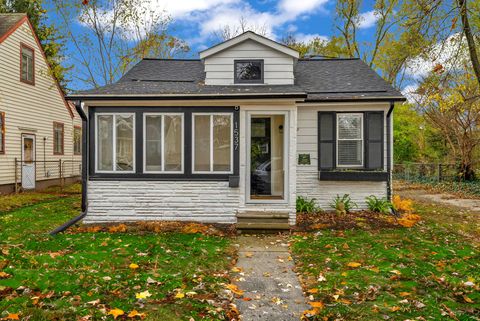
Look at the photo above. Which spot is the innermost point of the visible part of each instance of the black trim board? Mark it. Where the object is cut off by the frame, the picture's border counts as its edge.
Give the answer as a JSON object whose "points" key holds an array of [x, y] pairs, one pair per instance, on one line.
{"points": [[187, 175], [187, 97]]}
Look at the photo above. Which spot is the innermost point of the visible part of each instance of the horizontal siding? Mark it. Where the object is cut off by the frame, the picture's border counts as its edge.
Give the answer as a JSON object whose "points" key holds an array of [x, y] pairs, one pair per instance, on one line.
{"points": [[308, 184], [123, 201], [30, 109], [324, 192], [278, 67]]}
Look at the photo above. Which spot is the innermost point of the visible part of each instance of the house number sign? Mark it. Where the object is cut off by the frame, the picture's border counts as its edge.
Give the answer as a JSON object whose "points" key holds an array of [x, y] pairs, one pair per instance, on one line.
{"points": [[236, 136]]}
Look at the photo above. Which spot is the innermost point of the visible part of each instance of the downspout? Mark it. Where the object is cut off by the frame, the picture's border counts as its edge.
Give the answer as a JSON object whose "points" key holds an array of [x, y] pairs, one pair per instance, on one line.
{"points": [[389, 151], [81, 112]]}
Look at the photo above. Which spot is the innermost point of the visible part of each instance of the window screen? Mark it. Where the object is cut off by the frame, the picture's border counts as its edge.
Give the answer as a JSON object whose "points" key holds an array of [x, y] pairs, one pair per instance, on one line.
{"points": [[27, 64], [349, 140], [58, 138]]}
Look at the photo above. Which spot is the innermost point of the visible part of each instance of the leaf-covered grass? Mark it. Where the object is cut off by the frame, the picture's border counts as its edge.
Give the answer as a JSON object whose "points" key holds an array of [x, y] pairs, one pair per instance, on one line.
{"points": [[425, 272], [13, 201], [71, 276]]}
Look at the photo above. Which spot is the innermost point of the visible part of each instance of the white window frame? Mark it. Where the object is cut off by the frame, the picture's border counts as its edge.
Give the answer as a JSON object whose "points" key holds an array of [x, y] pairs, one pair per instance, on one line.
{"points": [[114, 148], [211, 171], [361, 139], [163, 171]]}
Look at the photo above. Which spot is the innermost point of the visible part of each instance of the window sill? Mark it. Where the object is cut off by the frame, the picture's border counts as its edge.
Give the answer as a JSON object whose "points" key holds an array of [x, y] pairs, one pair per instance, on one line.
{"points": [[353, 175]]}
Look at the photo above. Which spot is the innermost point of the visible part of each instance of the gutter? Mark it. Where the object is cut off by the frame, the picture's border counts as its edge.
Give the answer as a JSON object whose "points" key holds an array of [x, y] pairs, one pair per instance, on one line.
{"points": [[389, 151], [76, 219]]}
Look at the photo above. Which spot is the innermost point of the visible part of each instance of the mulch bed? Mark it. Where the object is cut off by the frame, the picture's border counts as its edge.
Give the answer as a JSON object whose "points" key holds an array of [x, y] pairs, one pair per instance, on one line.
{"points": [[356, 220]]}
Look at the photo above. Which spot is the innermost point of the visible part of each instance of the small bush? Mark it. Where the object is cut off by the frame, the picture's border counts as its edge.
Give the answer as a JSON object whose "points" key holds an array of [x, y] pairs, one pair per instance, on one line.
{"points": [[379, 205], [306, 206], [405, 205], [343, 204]]}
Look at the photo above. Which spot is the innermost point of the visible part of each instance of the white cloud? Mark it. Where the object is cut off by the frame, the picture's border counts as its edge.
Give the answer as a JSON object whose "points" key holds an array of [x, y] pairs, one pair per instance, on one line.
{"points": [[302, 37], [443, 53], [367, 19], [208, 16], [409, 92]]}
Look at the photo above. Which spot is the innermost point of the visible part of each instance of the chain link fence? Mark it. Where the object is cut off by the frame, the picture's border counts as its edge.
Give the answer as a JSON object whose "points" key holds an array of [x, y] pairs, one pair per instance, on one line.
{"points": [[425, 172]]}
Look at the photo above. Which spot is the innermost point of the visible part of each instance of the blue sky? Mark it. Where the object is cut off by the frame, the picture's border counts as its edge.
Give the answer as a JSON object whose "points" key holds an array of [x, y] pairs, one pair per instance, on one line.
{"points": [[195, 21]]}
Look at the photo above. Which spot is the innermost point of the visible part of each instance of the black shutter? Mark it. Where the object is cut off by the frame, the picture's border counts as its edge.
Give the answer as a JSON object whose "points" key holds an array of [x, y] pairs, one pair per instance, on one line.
{"points": [[326, 140], [374, 123]]}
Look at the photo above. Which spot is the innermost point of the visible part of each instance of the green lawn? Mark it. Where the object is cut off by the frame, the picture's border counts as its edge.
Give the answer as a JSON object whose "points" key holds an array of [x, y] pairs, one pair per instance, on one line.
{"points": [[423, 273], [70, 276]]}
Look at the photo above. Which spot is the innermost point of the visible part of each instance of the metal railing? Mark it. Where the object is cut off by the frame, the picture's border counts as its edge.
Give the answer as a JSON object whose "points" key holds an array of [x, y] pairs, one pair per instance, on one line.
{"points": [[49, 169], [425, 172]]}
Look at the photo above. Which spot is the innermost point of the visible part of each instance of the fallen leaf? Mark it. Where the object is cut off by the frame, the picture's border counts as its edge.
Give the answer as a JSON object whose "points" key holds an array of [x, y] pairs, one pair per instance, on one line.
{"points": [[316, 304], [4, 275], [135, 313], [179, 295], [234, 289], [354, 264], [116, 313], [236, 269], [467, 299], [12, 316], [313, 291], [395, 308], [133, 266], [248, 254], [404, 294], [143, 295]]}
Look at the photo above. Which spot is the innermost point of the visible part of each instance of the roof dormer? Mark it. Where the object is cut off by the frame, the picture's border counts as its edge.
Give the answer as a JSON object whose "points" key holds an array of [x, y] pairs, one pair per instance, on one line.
{"points": [[249, 59]]}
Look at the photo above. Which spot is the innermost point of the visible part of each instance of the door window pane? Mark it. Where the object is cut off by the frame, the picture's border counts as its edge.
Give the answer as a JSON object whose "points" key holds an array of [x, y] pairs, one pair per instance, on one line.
{"points": [[153, 148], [173, 142], [105, 143], [124, 143], [222, 143], [201, 143]]}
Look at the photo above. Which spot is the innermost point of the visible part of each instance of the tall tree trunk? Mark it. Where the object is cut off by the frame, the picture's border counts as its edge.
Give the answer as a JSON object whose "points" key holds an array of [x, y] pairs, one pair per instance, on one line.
{"points": [[470, 39]]}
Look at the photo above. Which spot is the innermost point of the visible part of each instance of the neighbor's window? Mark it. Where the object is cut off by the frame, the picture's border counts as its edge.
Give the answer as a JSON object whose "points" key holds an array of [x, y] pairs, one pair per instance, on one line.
{"points": [[77, 140], [2, 133], [27, 72], [163, 143], [248, 71], [115, 142], [58, 136], [349, 140], [212, 143]]}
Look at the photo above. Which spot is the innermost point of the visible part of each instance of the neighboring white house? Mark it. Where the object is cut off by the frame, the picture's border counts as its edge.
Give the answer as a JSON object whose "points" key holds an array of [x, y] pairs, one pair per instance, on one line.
{"points": [[236, 136], [38, 128]]}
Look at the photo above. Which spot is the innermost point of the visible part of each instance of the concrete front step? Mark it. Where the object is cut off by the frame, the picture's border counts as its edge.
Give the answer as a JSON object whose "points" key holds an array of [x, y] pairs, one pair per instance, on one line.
{"points": [[259, 215], [252, 225]]}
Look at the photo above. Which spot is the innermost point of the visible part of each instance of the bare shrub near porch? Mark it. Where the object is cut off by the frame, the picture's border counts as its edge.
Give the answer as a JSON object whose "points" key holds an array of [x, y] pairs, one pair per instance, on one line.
{"points": [[343, 204]]}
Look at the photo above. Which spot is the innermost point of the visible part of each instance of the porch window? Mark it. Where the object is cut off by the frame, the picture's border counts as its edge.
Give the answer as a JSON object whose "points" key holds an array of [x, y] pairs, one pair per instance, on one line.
{"points": [[27, 64], [349, 140], [58, 138], [77, 140], [2, 133], [163, 143], [212, 143], [115, 142]]}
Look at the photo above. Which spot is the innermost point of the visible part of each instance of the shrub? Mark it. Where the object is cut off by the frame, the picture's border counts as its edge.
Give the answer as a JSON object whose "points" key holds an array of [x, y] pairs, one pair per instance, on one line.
{"points": [[379, 205], [343, 204], [306, 206], [400, 205]]}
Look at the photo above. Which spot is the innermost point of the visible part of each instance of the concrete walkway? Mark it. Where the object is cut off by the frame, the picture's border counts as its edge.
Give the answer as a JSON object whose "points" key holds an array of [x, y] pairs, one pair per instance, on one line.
{"points": [[272, 291]]}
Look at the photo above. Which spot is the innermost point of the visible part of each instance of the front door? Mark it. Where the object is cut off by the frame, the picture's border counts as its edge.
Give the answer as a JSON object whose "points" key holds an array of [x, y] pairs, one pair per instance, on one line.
{"points": [[28, 161], [267, 159]]}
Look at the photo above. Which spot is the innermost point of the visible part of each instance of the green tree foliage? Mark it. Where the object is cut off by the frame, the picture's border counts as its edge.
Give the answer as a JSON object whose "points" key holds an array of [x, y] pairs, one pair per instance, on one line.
{"points": [[51, 40]]}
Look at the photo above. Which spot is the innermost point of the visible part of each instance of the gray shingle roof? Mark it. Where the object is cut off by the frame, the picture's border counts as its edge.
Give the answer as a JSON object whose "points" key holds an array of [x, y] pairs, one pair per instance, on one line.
{"points": [[8, 20], [329, 79]]}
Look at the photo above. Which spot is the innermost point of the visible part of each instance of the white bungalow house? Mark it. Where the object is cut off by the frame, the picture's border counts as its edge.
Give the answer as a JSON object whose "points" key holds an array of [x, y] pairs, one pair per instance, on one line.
{"points": [[235, 136], [38, 128]]}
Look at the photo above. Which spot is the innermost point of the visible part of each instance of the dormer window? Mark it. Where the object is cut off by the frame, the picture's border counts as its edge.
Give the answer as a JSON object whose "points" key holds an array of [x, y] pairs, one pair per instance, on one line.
{"points": [[248, 71]]}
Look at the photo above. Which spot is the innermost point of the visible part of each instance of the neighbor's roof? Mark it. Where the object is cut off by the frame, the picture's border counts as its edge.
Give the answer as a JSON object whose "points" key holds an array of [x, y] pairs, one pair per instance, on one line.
{"points": [[315, 80], [9, 22]]}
